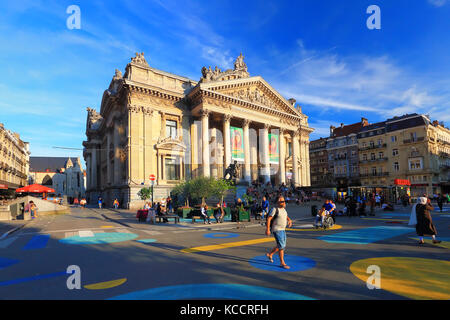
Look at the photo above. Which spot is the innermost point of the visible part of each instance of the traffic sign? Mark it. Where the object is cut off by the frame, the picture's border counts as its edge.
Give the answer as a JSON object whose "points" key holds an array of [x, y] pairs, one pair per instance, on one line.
{"points": [[152, 177]]}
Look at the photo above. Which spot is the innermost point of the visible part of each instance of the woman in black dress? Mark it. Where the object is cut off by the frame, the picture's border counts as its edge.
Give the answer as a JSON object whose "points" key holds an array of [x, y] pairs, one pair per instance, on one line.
{"points": [[424, 224]]}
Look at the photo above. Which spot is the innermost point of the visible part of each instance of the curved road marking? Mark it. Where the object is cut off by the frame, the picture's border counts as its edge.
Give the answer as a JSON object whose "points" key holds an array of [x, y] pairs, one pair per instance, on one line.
{"points": [[335, 227], [227, 245], [106, 284], [211, 291], [415, 278]]}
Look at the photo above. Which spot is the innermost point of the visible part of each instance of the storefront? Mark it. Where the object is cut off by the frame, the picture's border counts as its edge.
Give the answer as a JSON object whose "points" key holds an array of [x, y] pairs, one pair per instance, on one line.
{"points": [[401, 188]]}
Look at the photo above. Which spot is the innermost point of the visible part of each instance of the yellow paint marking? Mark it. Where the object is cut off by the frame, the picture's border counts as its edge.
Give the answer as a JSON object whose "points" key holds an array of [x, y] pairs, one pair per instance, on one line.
{"points": [[443, 244], [335, 227], [227, 245], [104, 227], [415, 278], [105, 285]]}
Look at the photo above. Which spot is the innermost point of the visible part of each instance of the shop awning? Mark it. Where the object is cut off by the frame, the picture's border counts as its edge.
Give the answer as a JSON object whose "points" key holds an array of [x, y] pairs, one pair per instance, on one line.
{"points": [[35, 188]]}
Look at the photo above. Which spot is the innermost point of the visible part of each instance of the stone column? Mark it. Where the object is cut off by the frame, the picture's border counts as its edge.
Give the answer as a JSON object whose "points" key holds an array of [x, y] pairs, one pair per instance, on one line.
{"points": [[247, 175], [226, 141], [214, 147], [303, 161], [295, 155], [308, 167], [265, 153], [282, 165], [108, 160], [93, 168], [89, 170], [116, 155], [205, 143]]}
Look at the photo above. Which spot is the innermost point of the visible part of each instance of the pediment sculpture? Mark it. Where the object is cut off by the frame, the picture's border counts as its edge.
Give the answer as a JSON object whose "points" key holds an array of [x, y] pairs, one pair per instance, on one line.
{"points": [[239, 71], [140, 59]]}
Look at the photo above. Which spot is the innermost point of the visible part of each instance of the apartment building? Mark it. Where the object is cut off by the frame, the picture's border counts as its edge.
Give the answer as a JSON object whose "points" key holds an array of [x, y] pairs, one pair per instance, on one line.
{"points": [[14, 162]]}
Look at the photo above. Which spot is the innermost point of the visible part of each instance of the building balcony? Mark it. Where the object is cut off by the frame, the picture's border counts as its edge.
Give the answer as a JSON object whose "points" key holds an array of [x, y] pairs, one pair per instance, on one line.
{"points": [[378, 174], [419, 139], [376, 146], [373, 160]]}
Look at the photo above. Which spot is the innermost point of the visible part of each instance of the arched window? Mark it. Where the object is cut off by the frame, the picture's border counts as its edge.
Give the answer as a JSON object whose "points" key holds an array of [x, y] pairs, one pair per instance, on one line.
{"points": [[47, 181]]}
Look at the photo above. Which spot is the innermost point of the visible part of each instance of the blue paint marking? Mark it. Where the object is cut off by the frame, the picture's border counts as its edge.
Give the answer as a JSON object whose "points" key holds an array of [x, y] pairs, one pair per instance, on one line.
{"points": [[390, 215], [211, 291], [221, 235], [5, 262], [296, 263], [39, 277], [366, 235], [37, 242], [100, 238], [146, 240]]}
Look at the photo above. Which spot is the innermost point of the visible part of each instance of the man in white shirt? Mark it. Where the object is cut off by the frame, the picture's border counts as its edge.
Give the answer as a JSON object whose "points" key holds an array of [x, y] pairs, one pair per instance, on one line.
{"points": [[276, 222]]}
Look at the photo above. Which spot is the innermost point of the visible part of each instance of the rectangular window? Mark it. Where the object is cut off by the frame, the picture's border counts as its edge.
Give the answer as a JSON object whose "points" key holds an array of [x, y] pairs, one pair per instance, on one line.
{"points": [[396, 166], [415, 164], [413, 136], [394, 138], [372, 156], [172, 169], [171, 129], [380, 155], [364, 156], [372, 144], [394, 152]]}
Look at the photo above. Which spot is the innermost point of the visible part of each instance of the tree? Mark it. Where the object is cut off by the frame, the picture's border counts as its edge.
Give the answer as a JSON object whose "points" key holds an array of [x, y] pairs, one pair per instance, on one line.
{"points": [[145, 193], [220, 188], [183, 190]]}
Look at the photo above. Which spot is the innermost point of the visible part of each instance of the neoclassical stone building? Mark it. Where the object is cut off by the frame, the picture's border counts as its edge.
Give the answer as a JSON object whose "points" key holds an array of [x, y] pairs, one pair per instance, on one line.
{"points": [[155, 122]]}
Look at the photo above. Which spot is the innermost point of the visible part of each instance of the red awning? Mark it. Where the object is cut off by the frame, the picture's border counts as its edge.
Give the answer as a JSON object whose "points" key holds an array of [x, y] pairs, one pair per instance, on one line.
{"points": [[402, 182], [35, 188], [3, 186]]}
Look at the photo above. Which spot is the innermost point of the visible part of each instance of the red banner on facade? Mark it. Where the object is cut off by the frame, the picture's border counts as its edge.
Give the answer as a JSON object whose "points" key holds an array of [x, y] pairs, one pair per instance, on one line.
{"points": [[3, 186], [402, 182]]}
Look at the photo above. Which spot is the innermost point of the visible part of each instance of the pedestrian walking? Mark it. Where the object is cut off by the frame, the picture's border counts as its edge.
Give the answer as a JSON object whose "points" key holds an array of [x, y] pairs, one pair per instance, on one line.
{"points": [[424, 223], [83, 203], [440, 201], [116, 203], [100, 202], [265, 209], [276, 223]]}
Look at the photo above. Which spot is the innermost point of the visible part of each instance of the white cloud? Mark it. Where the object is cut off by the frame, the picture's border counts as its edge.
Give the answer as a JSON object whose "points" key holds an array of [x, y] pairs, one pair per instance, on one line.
{"points": [[437, 3], [375, 85]]}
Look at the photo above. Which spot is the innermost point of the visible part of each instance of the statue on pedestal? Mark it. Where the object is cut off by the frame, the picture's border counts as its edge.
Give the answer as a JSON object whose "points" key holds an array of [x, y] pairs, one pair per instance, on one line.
{"points": [[231, 172]]}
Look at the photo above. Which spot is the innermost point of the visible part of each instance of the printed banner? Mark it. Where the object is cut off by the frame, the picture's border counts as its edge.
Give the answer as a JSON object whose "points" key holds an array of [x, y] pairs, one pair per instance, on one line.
{"points": [[237, 143], [274, 148]]}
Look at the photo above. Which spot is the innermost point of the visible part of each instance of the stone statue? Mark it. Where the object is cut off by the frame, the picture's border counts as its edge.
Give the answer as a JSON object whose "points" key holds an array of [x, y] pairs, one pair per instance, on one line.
{"points": [[117, 75], [239, 63], [139, 59], [231, 172]]}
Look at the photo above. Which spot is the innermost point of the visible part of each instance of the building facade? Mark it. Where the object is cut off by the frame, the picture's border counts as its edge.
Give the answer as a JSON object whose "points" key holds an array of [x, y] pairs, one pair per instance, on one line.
{"points": [[65, 175], [343, 160], [321, 176], [410, 149], [14, 161], [155, 122]]}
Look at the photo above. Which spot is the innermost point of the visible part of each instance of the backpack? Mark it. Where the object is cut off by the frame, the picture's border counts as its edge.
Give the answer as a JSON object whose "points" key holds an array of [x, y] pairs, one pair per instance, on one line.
{"points": [[275, 216]]}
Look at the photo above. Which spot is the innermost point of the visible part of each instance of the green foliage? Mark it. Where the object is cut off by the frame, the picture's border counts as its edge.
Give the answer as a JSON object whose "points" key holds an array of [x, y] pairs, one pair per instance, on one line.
{"points": [[203, 188], [248, 198], [145, 193]]}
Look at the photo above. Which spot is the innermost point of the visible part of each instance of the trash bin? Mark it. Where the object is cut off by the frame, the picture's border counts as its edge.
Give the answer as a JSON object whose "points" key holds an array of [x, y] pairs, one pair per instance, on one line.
{"points": [[314, 210]]}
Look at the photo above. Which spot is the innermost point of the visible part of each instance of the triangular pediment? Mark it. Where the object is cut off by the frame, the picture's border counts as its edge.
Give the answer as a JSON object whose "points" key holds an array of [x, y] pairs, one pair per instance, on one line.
{"points": [[254, 90]]}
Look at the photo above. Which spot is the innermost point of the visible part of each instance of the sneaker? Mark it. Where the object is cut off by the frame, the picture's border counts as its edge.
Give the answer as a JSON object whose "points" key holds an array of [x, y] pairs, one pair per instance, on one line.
{"points": [[437, 241]]}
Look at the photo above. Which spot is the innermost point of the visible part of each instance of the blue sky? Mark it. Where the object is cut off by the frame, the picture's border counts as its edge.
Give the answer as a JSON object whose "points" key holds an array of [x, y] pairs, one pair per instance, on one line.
{"points": [[319, 52]]}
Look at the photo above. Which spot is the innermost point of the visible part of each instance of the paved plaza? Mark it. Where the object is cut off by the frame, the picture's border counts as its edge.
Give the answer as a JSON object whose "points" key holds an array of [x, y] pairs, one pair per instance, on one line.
{"points": [[120, 258]]}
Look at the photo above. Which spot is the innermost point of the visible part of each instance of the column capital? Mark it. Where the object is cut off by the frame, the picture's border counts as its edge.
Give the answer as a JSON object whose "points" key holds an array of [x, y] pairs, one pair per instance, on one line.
{"points": [[282, 130], [246, 122], [266, 126], [205, 112], [296, 134], [227, 117]]}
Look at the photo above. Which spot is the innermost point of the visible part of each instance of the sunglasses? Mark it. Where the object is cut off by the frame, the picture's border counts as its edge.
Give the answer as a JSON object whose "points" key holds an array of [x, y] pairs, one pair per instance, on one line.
{"points": [[281, 201]]}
